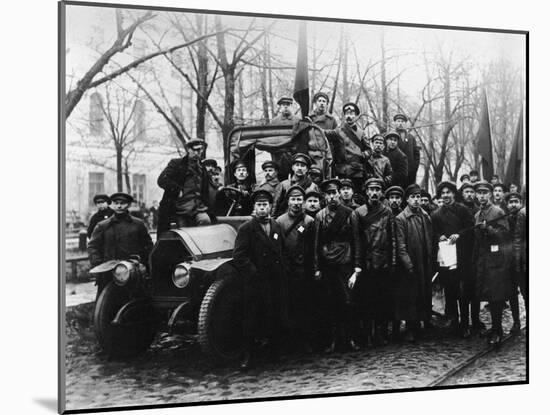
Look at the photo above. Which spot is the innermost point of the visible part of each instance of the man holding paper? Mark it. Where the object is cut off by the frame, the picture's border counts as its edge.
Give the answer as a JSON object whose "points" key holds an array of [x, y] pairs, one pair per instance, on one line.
{"points": [[448, 222]]}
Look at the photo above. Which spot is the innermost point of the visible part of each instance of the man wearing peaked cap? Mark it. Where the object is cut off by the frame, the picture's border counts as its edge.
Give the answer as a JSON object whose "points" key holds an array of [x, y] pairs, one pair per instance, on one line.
{"points": [[408, 145], [300, 167], [347, 193], [350, 146], [297, 229], [320, 116], [377, 164], [237, 200], [513, 206], [312, 203], [285, 116], [394, 196], [330, 184], [398, 160], [258, 256], [185, 184], [483, 185], [118, 237], [102, 203], [315, 175], [271, 181]]}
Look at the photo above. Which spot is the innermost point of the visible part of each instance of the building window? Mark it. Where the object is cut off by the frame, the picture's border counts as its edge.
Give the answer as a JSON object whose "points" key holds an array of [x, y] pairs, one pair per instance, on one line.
{"points": [[138, 188], [96, 184], [96, 114]]}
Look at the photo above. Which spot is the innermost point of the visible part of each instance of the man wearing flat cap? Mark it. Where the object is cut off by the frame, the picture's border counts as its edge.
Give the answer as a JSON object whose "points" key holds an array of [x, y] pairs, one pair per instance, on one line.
{"points": [[271, 181], [315, 175], [320, 115], [394, 197], [103, 212], [492, 258], [351, 147], [398, 160], [285, 116], [449, 224], [378, 165], [336, 263], [258, 256], [415, 255], [426, 202], [347, 193], [235, 199], [297, 230], [312, 203], [119, 237], [468, 197], [513, 206], [408, 145], [300, 167], [377, 250], [185, 185]]}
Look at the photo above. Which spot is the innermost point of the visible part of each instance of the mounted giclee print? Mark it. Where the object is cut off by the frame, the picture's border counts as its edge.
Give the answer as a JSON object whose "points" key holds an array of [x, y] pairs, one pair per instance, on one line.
{"points": [[259, 207]]}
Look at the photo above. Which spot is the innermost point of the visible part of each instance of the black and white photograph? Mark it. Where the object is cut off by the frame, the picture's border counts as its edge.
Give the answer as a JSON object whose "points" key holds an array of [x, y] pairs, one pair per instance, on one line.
{"points": [[259, 207]]}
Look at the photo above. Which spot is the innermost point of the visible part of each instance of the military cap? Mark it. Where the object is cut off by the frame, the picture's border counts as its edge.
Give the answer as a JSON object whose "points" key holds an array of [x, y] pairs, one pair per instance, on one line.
{"points": [[412, 189], [425, 193], [295, 190], [121, 195], [377, 137], [394, 190], [312, 193], [483, 184], [353, 105], [374, 181], [302, 158], [466, 186], [218, 169], [329, 183], [347, 182], [499, 185], [315, 170], [209, 162], [260, 195], [285, 100], [270, 163], [400, 117], [449, 185], [101, 198], [474, 172], [239, 163], [320, 94], [393, 134], [465, 175], [196, 141], [512, 195]]}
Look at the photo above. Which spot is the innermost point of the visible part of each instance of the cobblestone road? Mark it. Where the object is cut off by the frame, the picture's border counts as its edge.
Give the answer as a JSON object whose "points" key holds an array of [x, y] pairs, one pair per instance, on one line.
{"points": [[173, 370]]}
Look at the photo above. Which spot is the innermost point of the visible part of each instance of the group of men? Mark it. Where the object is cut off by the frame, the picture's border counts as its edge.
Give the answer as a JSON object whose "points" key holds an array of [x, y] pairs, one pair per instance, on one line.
{"points": [[339, 263]]}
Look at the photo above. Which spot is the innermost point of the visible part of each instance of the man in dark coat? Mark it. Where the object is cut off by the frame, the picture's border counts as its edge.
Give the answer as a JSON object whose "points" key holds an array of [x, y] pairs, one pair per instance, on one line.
{"points": [[498, 196], [492, 258], [449, 223], [258, 256], [394, 198], [336, 262], [285, 116], [271, 181], [513, 206], [119, 237], [185, 185], [398, 160], [300, 166], [211, 166], [347, 193], [236, 201], [312, 203], [351, 147], [320, 116], [102, 203], [297, 230], [378, 165], [407, 144], [426, 202], [415, 255], [520, 252], [376, 239]]}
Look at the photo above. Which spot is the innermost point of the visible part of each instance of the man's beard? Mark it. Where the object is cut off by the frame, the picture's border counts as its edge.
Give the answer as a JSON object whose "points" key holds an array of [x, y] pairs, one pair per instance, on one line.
{"points": [[374, 200]]}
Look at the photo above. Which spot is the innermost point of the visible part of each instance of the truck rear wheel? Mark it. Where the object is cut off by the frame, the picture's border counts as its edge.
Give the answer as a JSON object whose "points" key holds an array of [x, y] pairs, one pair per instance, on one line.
{"points": [[220, 319]]}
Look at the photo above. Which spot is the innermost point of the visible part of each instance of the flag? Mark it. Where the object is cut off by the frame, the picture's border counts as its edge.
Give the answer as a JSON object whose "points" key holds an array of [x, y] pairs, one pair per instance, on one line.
{"points": [[513, 171], [483, 138], [301, 82]]}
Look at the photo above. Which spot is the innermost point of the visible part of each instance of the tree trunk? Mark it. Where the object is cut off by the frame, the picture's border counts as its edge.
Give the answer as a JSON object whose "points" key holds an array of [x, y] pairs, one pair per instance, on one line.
{"points": [[385, 117], [202, 78], [118, 150]]}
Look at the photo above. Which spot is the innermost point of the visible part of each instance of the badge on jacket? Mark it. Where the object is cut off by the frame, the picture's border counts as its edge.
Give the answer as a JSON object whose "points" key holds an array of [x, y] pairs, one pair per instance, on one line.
{"points": [[275, 236], [301, 229]]}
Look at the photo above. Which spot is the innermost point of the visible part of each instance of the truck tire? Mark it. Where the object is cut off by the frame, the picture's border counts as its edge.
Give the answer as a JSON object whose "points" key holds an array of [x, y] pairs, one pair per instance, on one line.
{"points": [[127, 340], [220, 319]]}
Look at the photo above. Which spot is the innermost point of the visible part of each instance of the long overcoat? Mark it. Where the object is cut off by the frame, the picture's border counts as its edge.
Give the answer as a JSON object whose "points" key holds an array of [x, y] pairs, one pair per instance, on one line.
{"points": [[415, 255], [493, 255]]}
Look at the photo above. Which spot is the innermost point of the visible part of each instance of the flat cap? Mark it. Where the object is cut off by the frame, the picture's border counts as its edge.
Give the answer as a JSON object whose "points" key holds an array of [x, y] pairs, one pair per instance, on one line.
{"points": [[400, 117], [445, 184], [313, 193], [320, 94], [376, 137], [391, 134], [330, 183], [464, 176], [270, 163], [239, 163], [302, 158], [351, 105], [412, 189], [295, 190], [102, 198], [262, 195], [374, 182], [394, 190], [195, 142], [346, 183], [512, 195], [122, 196], [466, 185], [483, 184], [474, 172], [285, 100], [209, 162]]}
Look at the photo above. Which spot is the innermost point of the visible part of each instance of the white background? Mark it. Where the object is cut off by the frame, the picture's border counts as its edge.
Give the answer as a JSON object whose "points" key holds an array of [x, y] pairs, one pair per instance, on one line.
{"points": [[29, 204]]}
